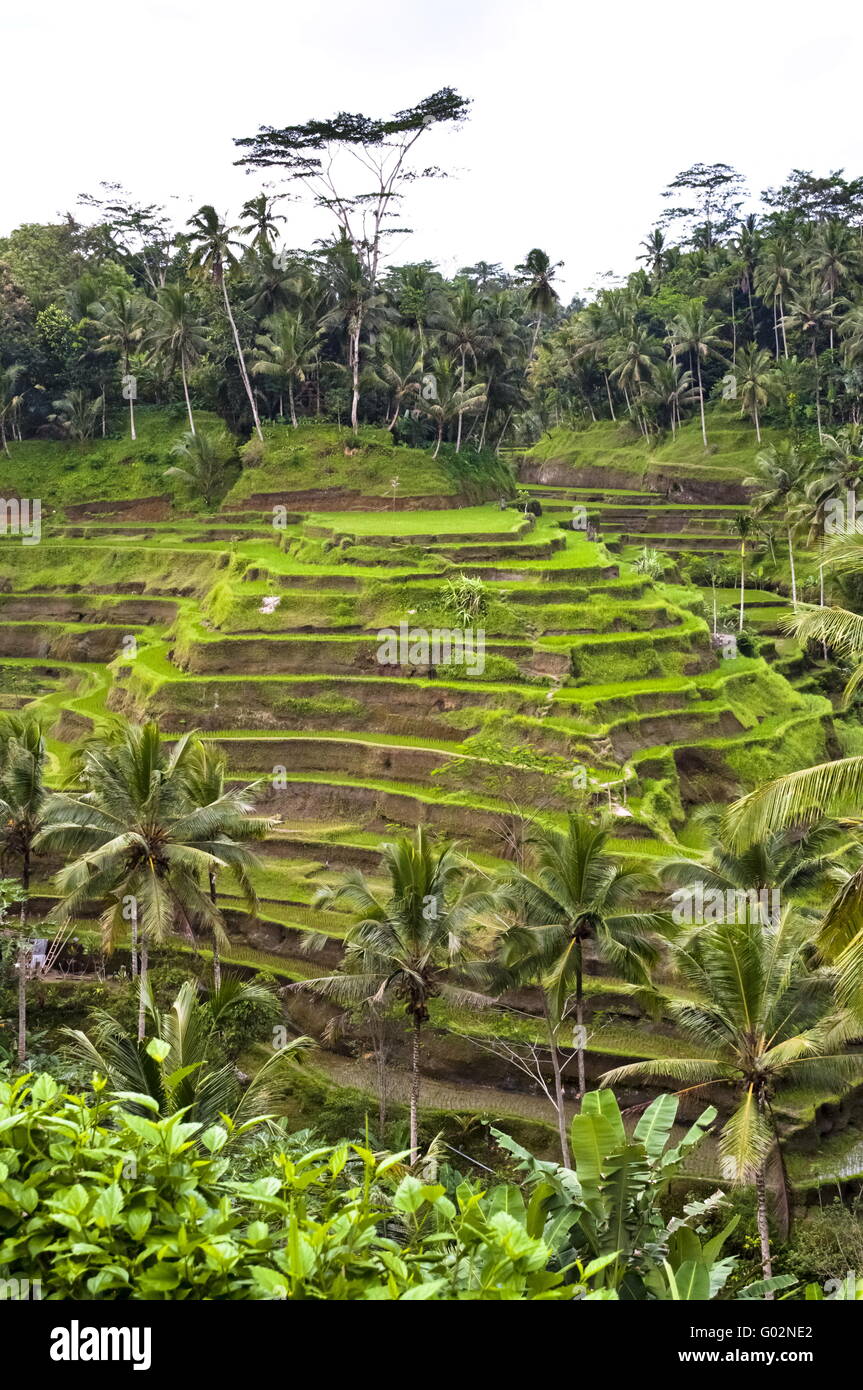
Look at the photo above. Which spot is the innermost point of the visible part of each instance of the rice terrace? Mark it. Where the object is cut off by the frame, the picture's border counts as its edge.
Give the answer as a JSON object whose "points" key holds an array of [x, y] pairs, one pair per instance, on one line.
{"points": [[430, 745]]}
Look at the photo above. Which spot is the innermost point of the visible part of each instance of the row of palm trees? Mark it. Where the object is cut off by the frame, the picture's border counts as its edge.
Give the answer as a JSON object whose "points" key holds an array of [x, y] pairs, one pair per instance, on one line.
{"points": [[811, 491], [280, 317], [764, 1001], [649, 341], [147, 827]]}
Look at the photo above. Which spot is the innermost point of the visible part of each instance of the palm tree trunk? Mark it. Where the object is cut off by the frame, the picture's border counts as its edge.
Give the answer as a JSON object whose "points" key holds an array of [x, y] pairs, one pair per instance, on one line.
{"points": [[559, 1101], [415, 1091], [186, 394], [132, 417], [793, 575], [241, 361], [608, 392], [757, 422], [484, 423], [560, 1106], [291, 404], [134, 939], [579, 1023], [143, 987], [217, 964], [23, 957], [439, 438], [821, 589], [355, 371], [733, 331], [782, 321], [701, 399], [742, 583], [763, 1228], [776, 326], [458, 430]]}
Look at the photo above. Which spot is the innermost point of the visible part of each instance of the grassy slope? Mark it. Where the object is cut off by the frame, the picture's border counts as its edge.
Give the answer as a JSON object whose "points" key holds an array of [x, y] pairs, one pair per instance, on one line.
{"points": [[606, 444], [314, 456], [100, 469]]}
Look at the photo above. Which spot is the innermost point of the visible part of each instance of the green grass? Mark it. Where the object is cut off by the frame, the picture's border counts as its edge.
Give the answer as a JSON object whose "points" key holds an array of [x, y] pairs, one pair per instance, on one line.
{"points": [[313, 457], [731, 449], [101, 469]]}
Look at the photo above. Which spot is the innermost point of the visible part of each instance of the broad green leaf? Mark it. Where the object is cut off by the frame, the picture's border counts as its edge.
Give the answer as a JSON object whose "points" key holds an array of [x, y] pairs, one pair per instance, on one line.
{"points": [[656, 1124]]}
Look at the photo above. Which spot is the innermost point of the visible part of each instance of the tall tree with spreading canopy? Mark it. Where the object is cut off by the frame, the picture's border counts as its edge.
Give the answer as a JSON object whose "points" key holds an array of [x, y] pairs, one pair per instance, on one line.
{"points": [[379, 147]]}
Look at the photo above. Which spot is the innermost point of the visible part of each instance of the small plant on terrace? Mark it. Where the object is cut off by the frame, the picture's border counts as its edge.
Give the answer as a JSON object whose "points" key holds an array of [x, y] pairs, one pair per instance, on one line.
{"points": [[466, 599]]}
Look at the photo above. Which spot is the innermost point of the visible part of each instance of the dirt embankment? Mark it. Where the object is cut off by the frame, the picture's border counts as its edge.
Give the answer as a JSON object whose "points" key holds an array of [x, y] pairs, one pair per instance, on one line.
{"points": [[336, 499], [670, 486], [133, 508]]}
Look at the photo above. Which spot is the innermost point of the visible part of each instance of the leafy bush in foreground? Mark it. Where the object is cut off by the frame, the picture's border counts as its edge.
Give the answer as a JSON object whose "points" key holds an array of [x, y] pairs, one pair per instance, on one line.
{"points": [[98, 1202]]}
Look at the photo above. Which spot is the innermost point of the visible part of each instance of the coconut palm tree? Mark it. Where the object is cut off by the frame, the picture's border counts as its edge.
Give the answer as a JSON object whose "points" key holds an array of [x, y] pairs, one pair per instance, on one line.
{"points": [[356, 302], [742, 525], [79, 415], [593, 339], [697, 332], [834, 259], [537, 273], [420, 293], [654, 253], [176, 336], [579, 897], [286, 353], [774, 277], [207, 786], [203, 461], [400, 364], [778, 482], [141, 843], [23, 798], [812, 312], [789, 862], [752, 379], [462, 328], [632, 361], [763, 1018], [404, 948], [10, 400], [746, 249], [261, 222], [213, 246], [176, 1067], [838, 470], [670, 387], [450, 402], [123, 316]]}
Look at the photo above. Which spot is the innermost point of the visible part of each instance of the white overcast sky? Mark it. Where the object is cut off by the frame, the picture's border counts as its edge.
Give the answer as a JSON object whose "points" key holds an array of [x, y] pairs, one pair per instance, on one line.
{"points": [[582, 112]]}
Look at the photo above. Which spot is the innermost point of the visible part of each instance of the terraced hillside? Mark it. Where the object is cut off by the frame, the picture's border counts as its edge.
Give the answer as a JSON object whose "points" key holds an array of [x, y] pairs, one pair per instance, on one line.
{"points": [[288, 627]]}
